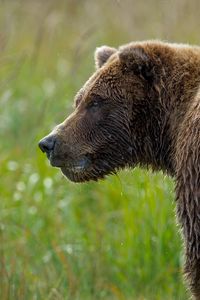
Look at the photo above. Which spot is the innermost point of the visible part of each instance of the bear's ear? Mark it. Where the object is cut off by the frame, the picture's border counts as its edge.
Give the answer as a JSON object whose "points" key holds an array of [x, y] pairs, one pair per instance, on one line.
{"points": [[102, 54], [135, 59]]}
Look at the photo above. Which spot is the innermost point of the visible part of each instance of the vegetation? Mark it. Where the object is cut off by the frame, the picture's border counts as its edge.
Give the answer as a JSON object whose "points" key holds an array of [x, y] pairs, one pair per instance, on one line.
{"points": [[115, 239]]}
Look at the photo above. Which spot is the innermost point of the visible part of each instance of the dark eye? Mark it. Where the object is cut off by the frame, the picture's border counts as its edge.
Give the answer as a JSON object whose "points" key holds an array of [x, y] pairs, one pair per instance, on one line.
{"points": [[96, 103]]}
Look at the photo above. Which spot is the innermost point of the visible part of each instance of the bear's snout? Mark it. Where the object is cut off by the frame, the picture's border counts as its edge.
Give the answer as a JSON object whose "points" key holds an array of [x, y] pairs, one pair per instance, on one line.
{"points": [[47, 143]]}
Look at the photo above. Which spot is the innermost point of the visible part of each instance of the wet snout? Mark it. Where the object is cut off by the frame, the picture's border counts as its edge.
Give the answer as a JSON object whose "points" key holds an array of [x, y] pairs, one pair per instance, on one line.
{"points": [[55, 148], [50, 145], [66, 148], [47, 144]]}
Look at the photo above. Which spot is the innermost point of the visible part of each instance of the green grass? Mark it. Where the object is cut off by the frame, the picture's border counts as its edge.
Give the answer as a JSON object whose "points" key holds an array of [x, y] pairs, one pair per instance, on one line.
{"points": [[115, 239]]}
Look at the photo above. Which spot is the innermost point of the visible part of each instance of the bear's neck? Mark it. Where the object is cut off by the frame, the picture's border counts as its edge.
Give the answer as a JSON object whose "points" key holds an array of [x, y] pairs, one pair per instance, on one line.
{"points": [[178, 88]]}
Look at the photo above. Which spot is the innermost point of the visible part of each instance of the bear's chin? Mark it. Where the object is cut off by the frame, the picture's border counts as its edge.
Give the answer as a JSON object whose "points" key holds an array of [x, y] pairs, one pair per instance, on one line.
{"points": [[81, 176], [84, 175]]}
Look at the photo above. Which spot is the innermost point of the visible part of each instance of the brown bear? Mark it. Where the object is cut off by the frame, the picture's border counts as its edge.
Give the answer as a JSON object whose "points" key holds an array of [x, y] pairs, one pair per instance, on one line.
{"points": [[140, 107]]}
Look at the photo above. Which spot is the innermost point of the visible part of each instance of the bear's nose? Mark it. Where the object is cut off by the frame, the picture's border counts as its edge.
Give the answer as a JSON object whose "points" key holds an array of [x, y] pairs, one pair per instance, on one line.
{"points": [[47, 143]]}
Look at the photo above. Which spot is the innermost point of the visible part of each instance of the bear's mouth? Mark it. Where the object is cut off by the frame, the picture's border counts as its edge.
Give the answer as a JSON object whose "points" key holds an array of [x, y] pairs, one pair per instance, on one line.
{"points": [[85, 168], [81, 174], [80, 170], [75, 165], [88, 169], [75, 169], [78, 166]]}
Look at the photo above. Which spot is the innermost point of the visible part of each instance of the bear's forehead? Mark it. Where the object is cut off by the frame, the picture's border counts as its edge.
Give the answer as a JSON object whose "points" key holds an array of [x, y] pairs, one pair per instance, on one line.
{"points": [[104, 79]]}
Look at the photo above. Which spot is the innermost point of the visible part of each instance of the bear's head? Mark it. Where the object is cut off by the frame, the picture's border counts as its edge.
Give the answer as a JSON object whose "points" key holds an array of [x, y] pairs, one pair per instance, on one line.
{"points": [[116, 121]]}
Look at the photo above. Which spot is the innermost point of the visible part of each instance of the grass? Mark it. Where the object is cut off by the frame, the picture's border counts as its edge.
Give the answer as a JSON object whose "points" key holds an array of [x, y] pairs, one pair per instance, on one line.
{"points": [[115, 239]]}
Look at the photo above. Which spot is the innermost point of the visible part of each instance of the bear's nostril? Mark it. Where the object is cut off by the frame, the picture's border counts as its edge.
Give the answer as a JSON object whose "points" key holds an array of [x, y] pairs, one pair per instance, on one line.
{"points": [[47, 143]]}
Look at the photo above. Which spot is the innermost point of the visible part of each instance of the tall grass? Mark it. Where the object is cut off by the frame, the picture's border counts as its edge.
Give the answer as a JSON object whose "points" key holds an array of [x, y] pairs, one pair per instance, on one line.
{"points": [[116, 239]]}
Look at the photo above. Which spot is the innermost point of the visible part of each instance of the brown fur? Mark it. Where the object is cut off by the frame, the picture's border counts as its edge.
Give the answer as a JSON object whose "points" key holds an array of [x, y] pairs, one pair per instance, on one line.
{"points": [[141, 106]]}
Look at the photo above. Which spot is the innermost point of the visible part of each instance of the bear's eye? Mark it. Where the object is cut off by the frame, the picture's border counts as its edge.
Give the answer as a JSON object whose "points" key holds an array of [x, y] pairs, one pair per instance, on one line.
{"points": [[95, 103]]}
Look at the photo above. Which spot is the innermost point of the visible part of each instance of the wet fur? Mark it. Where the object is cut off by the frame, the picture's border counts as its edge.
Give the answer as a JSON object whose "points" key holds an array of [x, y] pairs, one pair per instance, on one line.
{"points": [[149, 115]]}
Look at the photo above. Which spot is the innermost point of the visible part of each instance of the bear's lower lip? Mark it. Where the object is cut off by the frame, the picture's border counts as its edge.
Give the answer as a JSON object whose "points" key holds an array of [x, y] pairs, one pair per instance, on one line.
{"points": [[54, 161], [74, 169], [74, 174], [77, 171], [77, 166]]}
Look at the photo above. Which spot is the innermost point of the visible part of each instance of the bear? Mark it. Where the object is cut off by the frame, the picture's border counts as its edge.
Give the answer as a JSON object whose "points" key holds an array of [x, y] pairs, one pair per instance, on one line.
{"points": [[140, 107]]}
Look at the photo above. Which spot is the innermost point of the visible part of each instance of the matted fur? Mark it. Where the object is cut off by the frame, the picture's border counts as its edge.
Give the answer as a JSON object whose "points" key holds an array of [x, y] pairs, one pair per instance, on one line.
{"points": [[141, 107]]}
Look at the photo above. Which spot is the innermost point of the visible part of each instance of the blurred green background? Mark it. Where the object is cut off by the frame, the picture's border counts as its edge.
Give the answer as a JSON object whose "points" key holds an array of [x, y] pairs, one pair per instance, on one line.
{"points": [[116, 239]]}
